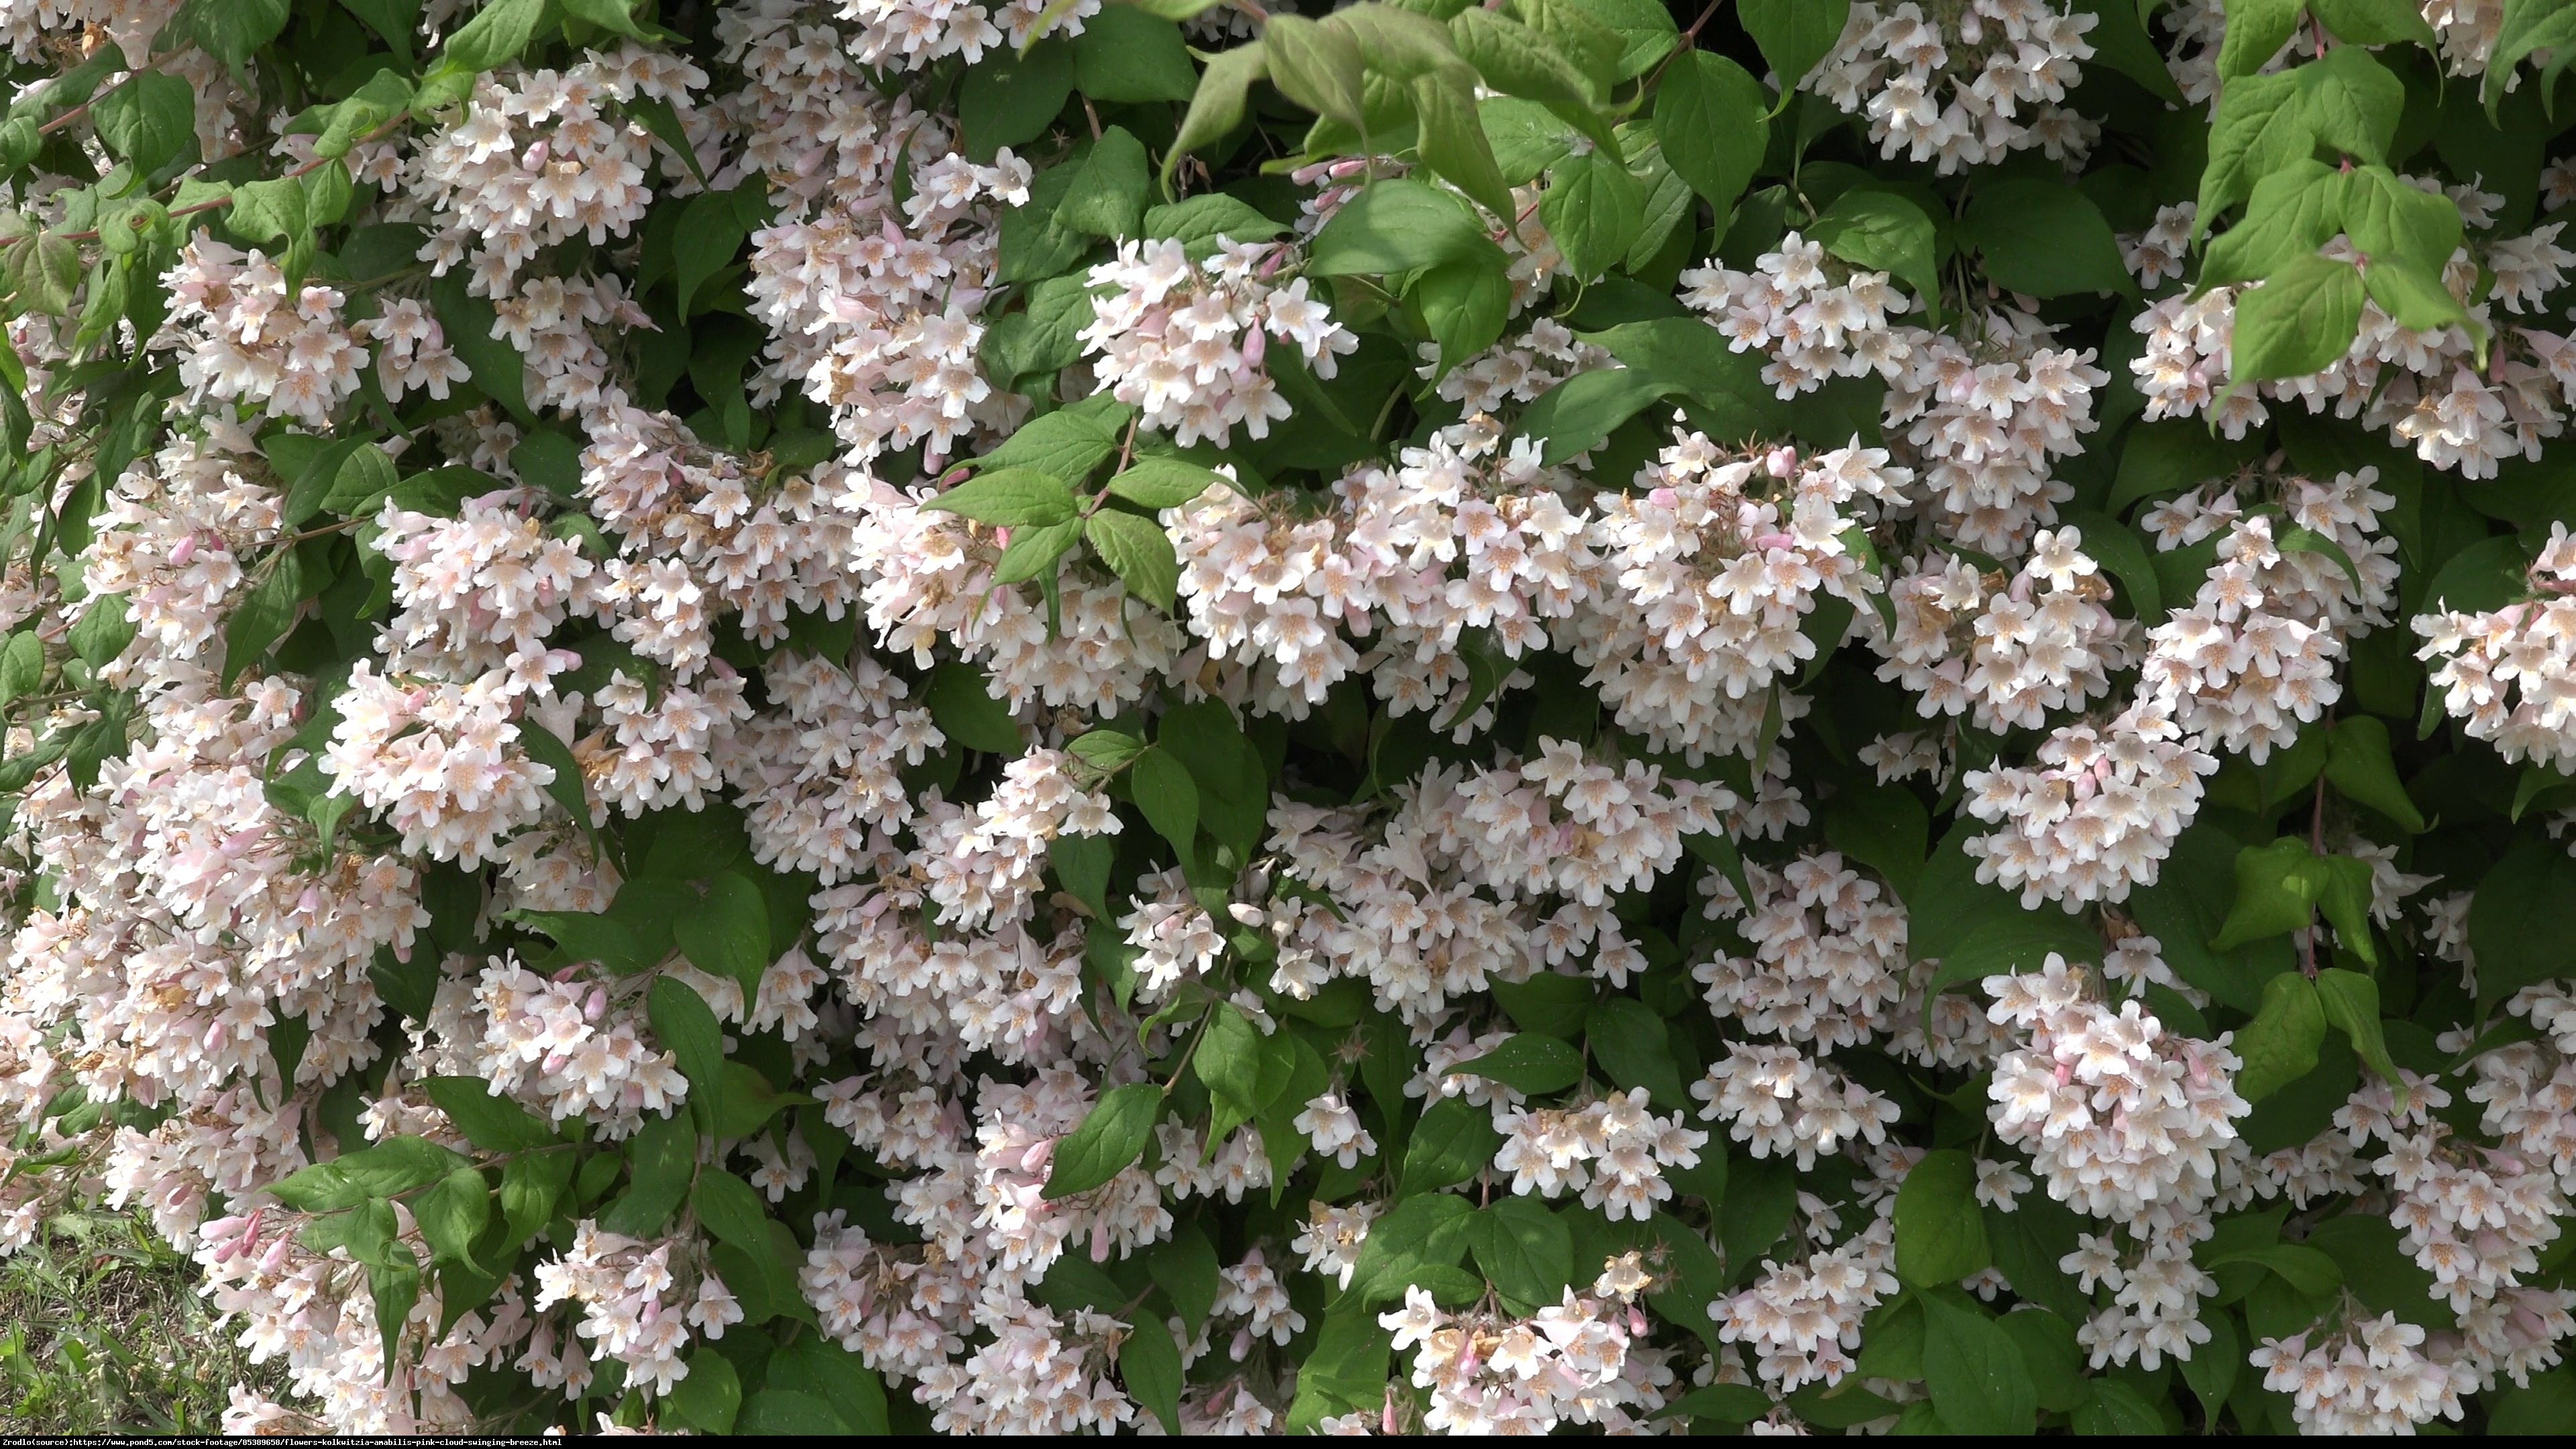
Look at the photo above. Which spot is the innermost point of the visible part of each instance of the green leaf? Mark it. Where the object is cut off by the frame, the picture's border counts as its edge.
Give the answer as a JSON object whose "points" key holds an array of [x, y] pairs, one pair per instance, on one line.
{"points": [[491, 1122], [1464, 305], [360, 483], [1525, 1251], [1110, 1137], [451, 1216], [1940, 1232], [727, 933], [712, 230], [1186, 1269], [2389, 217], [2277, 888], [1527, 138], [790, 1413], [2124, 555], [2517, 919], [708, 1399], [1589, 42], [1138, 552], [1149, 1364], [2048, 1348], [2526, 26], [661, 1158], [1592, 209], [2256, 31], [1127, 56], [1216, 108], [2375, 22], [544, 458], [1198, 222], [267, 609], [498, 34], [387, 1169], [1415, 1236], [232, 30], [1065, 444], [1975, 1373], [1576, 415], [1033, 552], [2044, 239], [1237, 1062], [2121, 42], [1629, 1041], [2260, 126], [1794, 34], [2299, 322], [2294, 211], [2416, 299], [2212, 1369], [1163, 789], [395, 1286], [1454, 1141], [1108, 196], [727, 1207], [2117, 1408], [1451, 141], [1719, 1404], [22, 665], [1883, 232], [2306, 1269], [587, 937], [1010, 498], [1714, 122], [2351, 1002], [1529, 1063], [565, 786], [2352, 101], [2359, 764], [150, 120], [2279, 1046], [1344, 1371], [1394, 227], [655, 114], [684, 1023], [961, 703], [614, 16], [1519, 61], [1645, 29], [105, 628], [467, 322], [1106, 750]]}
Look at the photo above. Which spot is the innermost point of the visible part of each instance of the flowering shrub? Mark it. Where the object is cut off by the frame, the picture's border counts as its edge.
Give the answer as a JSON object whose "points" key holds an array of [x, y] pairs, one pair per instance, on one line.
{"points": [[812, 716]]}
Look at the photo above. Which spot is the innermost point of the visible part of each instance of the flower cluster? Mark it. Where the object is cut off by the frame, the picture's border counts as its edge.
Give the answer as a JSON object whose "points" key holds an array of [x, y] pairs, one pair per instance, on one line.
{"points": [[909, 716], [2123, 1119], [1574, 1362], [1183, 340], [1964, 86]]}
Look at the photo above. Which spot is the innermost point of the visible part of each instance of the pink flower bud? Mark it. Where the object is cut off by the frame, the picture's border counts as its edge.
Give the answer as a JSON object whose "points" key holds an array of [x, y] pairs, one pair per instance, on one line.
{"points": [[186, 550]]}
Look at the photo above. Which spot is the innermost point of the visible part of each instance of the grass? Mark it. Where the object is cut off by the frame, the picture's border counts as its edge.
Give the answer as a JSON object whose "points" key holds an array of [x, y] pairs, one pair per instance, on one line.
{"points": [[102, 1332]]}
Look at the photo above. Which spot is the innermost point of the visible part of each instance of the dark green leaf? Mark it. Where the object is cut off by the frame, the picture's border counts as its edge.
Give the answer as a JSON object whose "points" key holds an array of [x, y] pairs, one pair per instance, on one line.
{"points": [[1975, 1373], [1940, 1232], [1530, 1063], [1113, 1135]]}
